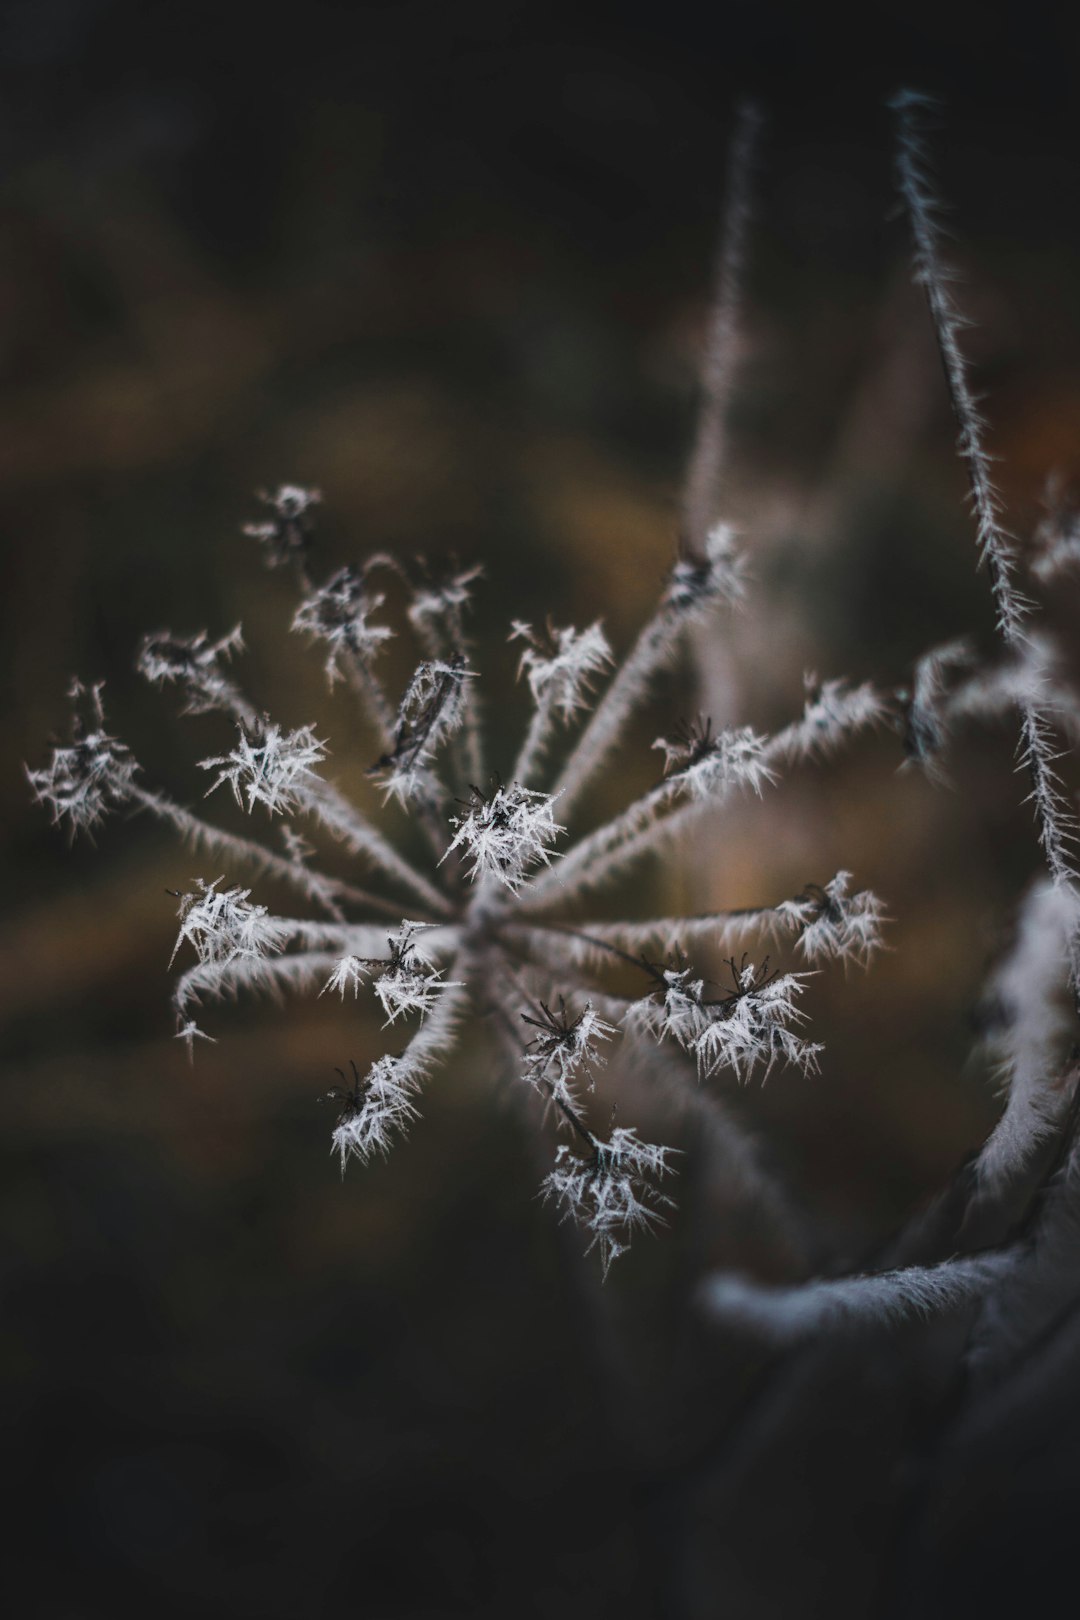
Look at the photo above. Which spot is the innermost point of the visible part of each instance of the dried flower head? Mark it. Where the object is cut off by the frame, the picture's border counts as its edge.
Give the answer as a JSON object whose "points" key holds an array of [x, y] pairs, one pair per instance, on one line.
{"points": [[505, 833], [339, 614], [706, 763], [835, 926], [89, 777], [564, 1049], [270, 767], [610, 1191], [193, 663], [561, 664], [485, 913], [285, 533], [431, 712]]}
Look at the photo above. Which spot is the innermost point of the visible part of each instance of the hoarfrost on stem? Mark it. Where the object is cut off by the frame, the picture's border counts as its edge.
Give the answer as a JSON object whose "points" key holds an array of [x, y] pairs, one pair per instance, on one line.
{"points": [[339, 614], [92, 775], [610, 1193], [275, 768], [565, 1049], [562, 664], [506, 832]]}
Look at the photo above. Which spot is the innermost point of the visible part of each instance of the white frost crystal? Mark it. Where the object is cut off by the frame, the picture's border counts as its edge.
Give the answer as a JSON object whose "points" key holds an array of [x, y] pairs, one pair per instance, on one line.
{"points": [[505, 833], [383, 1107], [705, 764], [609, 1193], [91, 776], [339, 614], [274, 767], [561, 664], [222, 925], [835, 925], [564, 1049]]}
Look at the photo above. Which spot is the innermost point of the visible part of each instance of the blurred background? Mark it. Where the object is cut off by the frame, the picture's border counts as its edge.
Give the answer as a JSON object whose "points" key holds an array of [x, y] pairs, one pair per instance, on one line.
{"points": [[452, 266]]}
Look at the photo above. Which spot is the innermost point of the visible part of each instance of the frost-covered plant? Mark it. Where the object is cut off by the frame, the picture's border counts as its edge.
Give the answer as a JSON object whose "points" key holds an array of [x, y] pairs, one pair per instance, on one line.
{"points": [[489, 921], [339, 614], [610, 1189], [92, 775], [564, 1049], [487, 897]]}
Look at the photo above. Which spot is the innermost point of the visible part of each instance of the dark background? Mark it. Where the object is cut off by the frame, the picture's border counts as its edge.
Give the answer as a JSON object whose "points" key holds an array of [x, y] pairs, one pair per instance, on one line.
{"points": [[451, 264]]}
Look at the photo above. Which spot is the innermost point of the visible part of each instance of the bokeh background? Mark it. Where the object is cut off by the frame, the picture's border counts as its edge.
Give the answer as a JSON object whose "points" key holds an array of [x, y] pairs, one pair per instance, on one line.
{"points": [[451, 265]]}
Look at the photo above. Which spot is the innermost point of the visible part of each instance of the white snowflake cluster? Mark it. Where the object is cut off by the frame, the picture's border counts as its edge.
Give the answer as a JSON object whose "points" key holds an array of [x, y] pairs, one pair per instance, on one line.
{"points": [[193, 663], [743, 1028], [284, 533], [436, 610], [432, 711], [272, 767], [833, 925], [505, 833], [222, 926], [833, 712], [90, 777], [716, 574], [339, 614], [405, 981], [410, 982], [234, 942], [610, 1191], [752, 1029], [382, 1106], [706, 764], [565, 1050], [561, 664], [349, 974]]}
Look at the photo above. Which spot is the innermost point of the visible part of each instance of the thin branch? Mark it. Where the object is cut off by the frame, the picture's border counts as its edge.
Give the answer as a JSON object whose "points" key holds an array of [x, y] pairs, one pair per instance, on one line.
{"points": [[345, 823], [707, 460], [591, 941], [328, 892], [1057, 827]]}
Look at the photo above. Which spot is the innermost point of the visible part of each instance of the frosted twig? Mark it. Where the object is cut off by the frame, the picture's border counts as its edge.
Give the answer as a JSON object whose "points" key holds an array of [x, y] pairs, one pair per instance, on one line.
{"points": [[701, 495], [338, 613], [383, 1104], [1057, 829], [694, 587], [561, 665], [329, 892], [876, 1300], [828, 924], [1028, 1029]]}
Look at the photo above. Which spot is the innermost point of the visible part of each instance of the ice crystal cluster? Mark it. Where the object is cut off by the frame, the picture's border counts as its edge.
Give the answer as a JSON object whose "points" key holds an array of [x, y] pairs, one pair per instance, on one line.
{"points": [[479, 914]]}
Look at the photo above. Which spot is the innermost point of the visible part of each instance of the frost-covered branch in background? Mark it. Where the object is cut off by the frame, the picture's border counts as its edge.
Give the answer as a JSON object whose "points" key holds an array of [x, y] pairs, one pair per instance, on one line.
{"points": [[702, 489], [881, 1300], [1056, 821], [1017, 1291]]}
